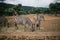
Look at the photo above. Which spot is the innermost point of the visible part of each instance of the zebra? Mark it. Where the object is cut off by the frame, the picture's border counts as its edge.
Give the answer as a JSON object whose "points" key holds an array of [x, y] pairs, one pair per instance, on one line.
{"points": [[3, 21], [23, 20], [18, 19], [38, 20]]}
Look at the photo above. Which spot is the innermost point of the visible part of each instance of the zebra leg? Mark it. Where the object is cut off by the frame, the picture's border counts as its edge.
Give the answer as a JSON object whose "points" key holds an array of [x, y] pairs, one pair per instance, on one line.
{"points": [[24, 27], [8, 25], [32, 28], [16, 25], [3, 23], [38, 26]]}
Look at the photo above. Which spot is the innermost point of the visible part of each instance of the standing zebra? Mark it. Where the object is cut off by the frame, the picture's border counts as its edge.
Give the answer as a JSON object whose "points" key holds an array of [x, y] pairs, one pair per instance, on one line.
{"points": [[38, 20]]}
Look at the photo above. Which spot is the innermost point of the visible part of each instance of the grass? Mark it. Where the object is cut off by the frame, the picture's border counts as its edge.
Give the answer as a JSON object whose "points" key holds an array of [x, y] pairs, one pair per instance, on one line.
{"points": [[49, 26], [29, 36], [51, 23]]}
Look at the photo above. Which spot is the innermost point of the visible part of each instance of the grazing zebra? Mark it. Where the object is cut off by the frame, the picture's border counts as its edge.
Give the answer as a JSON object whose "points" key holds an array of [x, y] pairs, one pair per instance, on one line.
{"points": [[23, 20], [38, 20]]}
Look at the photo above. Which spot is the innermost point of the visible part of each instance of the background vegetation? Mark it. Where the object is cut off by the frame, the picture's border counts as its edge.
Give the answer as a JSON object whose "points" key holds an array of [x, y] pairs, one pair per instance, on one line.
{"points": [[7, 9]]}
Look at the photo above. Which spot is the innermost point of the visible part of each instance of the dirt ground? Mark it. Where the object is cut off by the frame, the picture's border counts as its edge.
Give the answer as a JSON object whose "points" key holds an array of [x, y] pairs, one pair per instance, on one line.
{"points": [[51, 23], [49, 27]]}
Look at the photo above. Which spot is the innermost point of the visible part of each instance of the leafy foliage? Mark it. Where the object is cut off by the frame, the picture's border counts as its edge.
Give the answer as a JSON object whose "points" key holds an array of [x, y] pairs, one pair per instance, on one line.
{"points": [[7, 9], [55, 8]]}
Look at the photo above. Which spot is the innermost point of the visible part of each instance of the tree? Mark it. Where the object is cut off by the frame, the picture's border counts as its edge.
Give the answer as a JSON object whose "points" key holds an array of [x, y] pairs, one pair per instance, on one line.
{"points": [[55, 8], [17, 7], [35, 10]]}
